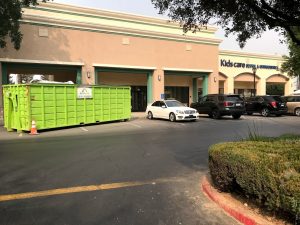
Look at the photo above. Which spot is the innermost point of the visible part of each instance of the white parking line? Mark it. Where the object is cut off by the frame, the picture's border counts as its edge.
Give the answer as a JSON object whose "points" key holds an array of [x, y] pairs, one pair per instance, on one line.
{"points": [[82, 128], [135, 125]]}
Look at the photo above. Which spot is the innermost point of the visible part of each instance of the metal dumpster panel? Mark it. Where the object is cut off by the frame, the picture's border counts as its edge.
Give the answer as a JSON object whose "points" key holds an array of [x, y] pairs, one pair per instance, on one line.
{"points": [[57, 105]]}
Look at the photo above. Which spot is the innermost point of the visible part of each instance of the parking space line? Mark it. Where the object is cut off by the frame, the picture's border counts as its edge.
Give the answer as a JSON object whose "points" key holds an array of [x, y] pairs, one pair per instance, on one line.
{"points": [[84, 129], [61, 191], [135, 125]]}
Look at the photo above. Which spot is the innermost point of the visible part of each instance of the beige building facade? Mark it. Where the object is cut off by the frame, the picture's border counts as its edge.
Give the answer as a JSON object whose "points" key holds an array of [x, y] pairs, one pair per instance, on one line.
{"points": [[153, 56], [236, 74]]}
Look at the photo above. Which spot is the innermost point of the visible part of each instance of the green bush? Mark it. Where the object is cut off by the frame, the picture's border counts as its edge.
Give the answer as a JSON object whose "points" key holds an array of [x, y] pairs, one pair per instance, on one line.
{"points": [[266, 170]]}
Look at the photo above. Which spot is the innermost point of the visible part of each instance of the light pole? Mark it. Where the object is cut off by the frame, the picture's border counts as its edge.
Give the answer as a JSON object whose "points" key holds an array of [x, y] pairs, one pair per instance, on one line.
{"points": [[254, 75]]}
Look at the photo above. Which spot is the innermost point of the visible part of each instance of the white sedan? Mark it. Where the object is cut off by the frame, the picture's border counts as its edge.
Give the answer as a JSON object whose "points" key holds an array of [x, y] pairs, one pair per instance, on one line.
{"points": [[172, 110]]}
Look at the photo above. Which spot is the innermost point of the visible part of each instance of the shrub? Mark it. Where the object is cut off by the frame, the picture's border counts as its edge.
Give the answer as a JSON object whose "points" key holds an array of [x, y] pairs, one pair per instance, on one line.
{"points": [[266, 170]]}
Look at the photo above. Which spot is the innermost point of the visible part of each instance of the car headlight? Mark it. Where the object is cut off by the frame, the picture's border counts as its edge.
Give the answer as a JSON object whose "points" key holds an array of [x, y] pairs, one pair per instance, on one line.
{"points": [[180, 111]]}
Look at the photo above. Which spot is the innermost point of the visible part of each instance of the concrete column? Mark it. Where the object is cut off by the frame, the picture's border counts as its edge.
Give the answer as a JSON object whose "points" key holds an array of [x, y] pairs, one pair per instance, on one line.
{"points": [[212, 83], [195, 89], [288, 87], [158, 84], [205, 86], [149, 87], [229, 85], [261, 86]]}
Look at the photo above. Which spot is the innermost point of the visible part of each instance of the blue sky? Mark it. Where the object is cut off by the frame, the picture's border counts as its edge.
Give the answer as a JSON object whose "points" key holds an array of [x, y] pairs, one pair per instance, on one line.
{"points": [[268, 43]]}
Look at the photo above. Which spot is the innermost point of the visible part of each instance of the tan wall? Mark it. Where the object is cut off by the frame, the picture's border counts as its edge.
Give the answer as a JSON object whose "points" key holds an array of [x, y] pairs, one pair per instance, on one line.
{"points": [[277, 79], [246, 77], [179, 81], [122, 79], [100, 48], [243, 85]]}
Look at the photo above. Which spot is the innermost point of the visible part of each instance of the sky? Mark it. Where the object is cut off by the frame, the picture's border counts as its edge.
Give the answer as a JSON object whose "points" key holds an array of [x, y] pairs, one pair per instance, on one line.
{"points": [[268, 43]]}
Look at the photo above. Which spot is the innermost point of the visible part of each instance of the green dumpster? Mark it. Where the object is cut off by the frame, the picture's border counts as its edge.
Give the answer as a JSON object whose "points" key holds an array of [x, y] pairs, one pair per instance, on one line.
{"points": [[61, 105]]}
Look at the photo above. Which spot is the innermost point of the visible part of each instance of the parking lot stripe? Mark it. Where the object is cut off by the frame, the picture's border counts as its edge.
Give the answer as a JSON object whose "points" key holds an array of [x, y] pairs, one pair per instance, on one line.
{"points": [[61, 191], [84, 129], [135, 125]]}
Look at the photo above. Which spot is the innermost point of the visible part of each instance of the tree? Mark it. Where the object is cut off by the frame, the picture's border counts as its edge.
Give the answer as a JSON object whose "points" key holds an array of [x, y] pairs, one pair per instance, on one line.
{"points": [[246, 18], [10, 16], [291, 65]]}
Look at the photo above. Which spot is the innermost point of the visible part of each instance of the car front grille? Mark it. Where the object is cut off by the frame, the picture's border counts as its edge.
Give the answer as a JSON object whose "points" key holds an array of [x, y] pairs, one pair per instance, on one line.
{"points": [[189, 111]]}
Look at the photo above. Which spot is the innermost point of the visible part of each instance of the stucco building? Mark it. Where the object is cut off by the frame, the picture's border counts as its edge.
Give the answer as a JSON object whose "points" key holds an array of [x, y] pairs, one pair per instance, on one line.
{"points": [[153, 56]]}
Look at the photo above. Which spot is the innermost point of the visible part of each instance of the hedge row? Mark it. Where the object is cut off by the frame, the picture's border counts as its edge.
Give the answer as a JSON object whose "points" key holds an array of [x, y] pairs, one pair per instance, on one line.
{"points": [[267, 171]]}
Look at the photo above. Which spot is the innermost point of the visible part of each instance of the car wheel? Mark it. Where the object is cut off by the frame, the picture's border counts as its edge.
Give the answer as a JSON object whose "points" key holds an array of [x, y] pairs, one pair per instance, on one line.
{"points": [[249, 113], [172, 117], [265, 112], [297, 112], [216, 114], [236, 116], [150, 115]]}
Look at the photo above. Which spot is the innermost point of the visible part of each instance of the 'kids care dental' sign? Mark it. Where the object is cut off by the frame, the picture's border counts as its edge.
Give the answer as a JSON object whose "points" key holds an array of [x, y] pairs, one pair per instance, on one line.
{"points": [[229, 63]]}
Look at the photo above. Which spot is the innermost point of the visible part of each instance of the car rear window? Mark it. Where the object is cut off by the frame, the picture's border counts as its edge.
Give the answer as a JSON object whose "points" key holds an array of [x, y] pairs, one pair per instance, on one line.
{"points": [[233, 98], [272, 98]]}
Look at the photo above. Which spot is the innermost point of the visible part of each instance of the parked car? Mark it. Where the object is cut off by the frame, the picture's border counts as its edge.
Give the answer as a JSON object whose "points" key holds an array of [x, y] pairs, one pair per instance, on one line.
{"points": [[266, 105], [293, 104], [217, 105], [172, 110]]}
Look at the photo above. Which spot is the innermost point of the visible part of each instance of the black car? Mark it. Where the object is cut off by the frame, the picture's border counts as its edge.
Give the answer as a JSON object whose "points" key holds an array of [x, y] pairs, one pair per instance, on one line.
{"points": [[266, 105], [217, 105]]}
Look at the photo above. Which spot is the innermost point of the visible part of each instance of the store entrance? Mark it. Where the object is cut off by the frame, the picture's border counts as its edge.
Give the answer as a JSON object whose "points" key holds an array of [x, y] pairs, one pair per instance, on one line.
{"points": [[179, 93], [138, 98]]}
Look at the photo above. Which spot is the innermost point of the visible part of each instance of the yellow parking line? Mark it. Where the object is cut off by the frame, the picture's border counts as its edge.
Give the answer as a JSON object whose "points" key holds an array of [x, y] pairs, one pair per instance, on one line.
{"points": [[61, 191]]}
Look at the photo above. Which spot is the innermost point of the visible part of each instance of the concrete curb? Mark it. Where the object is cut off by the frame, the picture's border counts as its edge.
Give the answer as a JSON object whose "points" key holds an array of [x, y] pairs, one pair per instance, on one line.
{"points": [[237, 214]]}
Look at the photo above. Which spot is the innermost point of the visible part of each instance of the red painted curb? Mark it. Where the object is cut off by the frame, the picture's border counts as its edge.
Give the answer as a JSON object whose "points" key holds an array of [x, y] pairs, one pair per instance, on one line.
{"points": [[206, 187]]}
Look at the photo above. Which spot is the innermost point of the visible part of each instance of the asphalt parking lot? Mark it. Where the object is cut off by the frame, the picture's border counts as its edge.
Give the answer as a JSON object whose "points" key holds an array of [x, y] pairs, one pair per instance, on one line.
{"points": [[136, 172], [139, 122]]}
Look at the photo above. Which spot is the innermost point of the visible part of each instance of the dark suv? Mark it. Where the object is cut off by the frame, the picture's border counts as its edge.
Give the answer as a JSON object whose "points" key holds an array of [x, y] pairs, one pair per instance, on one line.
{"points": [[217, 105], [266, 105]]}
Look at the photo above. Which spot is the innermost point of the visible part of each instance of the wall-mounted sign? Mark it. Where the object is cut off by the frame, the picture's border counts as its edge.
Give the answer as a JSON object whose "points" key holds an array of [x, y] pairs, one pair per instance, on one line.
{"points": [[84, 92], [229, 63]]}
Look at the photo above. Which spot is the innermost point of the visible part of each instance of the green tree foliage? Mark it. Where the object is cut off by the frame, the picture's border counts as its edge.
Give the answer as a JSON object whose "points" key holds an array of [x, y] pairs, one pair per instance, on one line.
{"points": [[292, 62], [10, 15], [246, 18]]}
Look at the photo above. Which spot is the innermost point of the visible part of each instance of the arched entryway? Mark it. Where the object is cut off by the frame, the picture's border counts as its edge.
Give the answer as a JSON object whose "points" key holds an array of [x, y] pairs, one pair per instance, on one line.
{"points": [[276, 84], [244, 84]]}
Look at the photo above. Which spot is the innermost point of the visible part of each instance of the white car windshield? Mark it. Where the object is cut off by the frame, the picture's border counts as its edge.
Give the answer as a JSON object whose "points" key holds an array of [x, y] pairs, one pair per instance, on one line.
{"points": [[174, 104]]}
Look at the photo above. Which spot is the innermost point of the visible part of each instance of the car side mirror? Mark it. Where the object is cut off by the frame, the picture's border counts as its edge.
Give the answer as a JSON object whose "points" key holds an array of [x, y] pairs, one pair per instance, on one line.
{"points": [[163, 106]]}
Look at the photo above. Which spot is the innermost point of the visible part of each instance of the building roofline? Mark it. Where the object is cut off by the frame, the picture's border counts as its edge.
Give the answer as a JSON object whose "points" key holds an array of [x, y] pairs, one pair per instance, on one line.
{"points": [[114, 14], [89, 26], [250, 54], [30, 61]]}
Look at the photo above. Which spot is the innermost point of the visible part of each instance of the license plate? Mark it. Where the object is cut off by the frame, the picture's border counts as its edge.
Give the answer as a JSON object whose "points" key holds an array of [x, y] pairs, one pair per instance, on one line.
{"points": [[282, 105], [238, 104]]}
